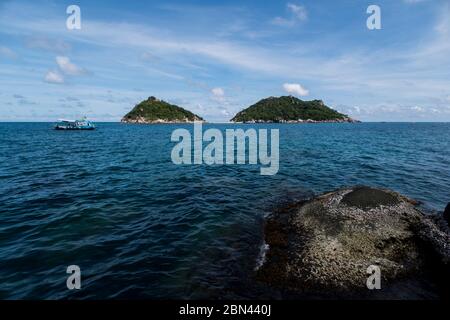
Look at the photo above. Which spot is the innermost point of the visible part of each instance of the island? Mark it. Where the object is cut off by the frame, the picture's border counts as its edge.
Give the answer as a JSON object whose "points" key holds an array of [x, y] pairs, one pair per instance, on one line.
{"points": [[289, 109], [153, 111]]}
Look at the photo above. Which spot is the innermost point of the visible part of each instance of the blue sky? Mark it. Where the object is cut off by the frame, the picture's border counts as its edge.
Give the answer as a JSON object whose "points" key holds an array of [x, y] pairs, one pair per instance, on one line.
{"points": [[216, 58]]}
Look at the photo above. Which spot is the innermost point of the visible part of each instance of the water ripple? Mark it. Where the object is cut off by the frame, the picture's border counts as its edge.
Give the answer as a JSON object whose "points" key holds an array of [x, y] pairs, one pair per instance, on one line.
{"points": [[139, 226]]}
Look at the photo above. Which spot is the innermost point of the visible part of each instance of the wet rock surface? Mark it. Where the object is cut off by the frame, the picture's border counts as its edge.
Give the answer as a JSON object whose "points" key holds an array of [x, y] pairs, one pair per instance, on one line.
{"points": [[447, 213], [323, 247]]}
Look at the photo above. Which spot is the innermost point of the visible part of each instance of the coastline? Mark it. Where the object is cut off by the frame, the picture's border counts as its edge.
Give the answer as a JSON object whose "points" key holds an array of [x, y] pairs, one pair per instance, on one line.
{"points": [[297, 121], [160, 121]]}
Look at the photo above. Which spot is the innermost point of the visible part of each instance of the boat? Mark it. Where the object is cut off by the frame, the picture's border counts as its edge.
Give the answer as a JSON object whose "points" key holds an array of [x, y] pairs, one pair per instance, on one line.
{"points": [[84, 124]]}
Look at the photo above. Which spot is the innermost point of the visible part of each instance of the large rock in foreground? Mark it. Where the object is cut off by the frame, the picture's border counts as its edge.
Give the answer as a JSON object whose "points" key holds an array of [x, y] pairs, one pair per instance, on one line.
{"points": [[446, 214], [323, 247]]}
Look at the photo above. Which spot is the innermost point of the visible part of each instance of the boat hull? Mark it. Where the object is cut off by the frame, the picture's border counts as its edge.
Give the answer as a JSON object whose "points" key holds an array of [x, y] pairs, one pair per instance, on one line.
{"points": [[73, 128]]}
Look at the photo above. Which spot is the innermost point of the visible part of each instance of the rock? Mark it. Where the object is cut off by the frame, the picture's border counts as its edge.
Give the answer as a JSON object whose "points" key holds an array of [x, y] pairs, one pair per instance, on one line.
{"points": [[323, 247], [447, 213]]}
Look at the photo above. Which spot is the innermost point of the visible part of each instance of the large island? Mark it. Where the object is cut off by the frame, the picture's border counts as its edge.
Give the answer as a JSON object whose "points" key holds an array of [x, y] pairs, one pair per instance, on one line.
{"points": [[289, 109], [153, 110]]}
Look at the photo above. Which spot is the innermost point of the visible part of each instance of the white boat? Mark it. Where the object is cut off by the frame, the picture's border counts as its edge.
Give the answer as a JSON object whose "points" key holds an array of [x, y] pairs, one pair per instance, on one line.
{"points": [[64, 124]]}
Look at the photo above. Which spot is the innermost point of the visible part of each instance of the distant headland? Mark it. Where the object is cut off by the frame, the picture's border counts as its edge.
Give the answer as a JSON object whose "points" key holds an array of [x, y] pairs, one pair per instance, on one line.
{"points": [[154, 110], [289, 109]]}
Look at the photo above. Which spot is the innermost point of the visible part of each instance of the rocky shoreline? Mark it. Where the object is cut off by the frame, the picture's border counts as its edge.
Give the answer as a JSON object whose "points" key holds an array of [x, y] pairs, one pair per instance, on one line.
{"points": [[345, 120], [142, 120], [323, 247]]}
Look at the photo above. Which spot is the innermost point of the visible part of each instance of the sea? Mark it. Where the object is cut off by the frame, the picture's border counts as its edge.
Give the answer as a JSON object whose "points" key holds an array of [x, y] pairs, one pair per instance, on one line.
{"points": [[111, 202]]}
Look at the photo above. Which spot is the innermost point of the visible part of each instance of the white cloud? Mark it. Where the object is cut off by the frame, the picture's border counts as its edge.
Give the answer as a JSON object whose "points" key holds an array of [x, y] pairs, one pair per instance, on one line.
{"points": [[295, 88], [218, 95], [68, 67], [54, 77], [356, 109], [225, 112], [297, 13], [65, 68], [218, 92], [118, 35]]}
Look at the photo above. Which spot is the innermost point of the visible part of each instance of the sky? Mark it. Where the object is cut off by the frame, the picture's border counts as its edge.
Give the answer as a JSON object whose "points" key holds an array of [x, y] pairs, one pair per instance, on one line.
{"points": [[215, 58]]}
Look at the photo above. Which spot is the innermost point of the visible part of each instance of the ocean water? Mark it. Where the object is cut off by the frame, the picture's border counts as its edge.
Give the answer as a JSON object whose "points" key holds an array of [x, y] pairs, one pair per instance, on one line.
{"points": [[112, 202]]}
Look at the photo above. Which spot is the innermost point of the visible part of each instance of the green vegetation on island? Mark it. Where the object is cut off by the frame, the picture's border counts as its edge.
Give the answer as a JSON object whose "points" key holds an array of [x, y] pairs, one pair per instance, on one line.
{"points": [[290, 109], [154, 110]]}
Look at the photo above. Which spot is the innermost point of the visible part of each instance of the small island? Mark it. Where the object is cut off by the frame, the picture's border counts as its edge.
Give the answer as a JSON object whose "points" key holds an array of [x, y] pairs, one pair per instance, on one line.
{"points": [[289, 109], [153, 111]]}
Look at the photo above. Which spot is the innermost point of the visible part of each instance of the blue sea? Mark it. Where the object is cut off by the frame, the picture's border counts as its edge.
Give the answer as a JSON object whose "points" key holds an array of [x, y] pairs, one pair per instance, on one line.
{"points": [[112, 202]]}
